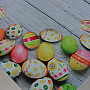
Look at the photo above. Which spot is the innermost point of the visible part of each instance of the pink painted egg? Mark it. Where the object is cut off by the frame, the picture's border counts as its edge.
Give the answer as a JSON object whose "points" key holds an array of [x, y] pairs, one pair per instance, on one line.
{"points": [[19, 53], [80, 60]]}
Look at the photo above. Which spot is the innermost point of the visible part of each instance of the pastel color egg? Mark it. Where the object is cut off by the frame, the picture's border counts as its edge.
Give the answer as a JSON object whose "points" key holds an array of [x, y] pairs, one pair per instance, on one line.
{"points": [[80, 60], [6, 46], [31, 40], [67, 86], [42, 84], [2, 33], [69, 45], [14, 31], [2, 12], [45, 51], [58, 70], [11, 68], [34, 69], [19, 53]]}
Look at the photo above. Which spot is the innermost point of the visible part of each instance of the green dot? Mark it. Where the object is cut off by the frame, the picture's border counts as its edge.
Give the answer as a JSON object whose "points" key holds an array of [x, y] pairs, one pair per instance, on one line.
{"points": [[45, 87], [12, 36], [59, 69], [13, 28], [5, 61], [21, 26], [52, 72], [8, 73], [16, 65], [7, 32], [36, 85], [18, 31], [1, 51]]}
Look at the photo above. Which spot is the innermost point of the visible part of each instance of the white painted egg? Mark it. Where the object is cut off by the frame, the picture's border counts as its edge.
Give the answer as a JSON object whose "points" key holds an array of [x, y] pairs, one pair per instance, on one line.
{"points": [[14, 31], [85, 40], [51, 35], [12, 69], [57, 69], [34, 69], [42, 84], [6, 46]]}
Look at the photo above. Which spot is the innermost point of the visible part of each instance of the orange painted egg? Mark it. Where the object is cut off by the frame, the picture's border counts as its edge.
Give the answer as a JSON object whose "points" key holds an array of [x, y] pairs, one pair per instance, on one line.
{"points": [[2, 33], [80, 60]]}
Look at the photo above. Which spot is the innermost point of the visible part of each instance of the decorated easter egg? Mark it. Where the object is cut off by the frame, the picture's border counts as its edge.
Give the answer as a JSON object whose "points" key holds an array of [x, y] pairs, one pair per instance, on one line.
{"points": [[51, 35], [42, 84], [34, 68], [45, 51], [80, 60], [67, 86], [14, 31], [69, 45], [19, 53], [58, 70], [31, 40], [2, 12], [6, 46], [85, 25], [2, 33], [85, 40], [11, 68]]}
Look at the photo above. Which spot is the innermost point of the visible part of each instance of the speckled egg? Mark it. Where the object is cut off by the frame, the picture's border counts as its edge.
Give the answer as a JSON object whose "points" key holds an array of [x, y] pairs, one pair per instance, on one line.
{"points": [[42, 84], [67, 86], [34, 69], [12, 69], [2, 33], [57, 69], [6, 46], [14, 31], [2, 12], [80, 60], [19, 53], [31, 40]]}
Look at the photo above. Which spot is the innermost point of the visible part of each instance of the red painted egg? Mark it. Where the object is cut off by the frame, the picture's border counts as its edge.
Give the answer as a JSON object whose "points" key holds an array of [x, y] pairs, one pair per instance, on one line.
{"points": [[19, 53]]}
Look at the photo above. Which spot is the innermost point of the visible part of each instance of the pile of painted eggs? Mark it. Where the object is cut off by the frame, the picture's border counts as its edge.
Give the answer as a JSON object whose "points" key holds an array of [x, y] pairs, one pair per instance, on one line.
{"points": [[36, 69]]}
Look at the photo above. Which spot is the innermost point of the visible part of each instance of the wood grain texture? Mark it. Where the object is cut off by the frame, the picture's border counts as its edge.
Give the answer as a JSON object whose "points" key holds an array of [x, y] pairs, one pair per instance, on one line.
{"points": [[35, 16]]}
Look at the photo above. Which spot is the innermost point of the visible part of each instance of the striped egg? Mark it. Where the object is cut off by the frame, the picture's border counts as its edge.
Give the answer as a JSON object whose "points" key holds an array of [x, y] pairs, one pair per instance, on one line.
{"points": [[31, 40], [2, 12], [80, 60], [42, 84], [34, 69], [6, 46], [11, 68], [14, 31]]}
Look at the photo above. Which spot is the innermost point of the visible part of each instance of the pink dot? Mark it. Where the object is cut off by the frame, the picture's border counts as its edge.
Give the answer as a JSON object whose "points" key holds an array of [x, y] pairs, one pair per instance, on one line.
{"points": [[1, 10], [6, 48], [1, 43], [60, 74], [64, 70]]}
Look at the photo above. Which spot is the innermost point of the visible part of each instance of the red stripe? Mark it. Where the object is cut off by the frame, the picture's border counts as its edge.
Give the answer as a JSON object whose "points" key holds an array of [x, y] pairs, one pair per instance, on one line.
{"points": [[30, 39]]}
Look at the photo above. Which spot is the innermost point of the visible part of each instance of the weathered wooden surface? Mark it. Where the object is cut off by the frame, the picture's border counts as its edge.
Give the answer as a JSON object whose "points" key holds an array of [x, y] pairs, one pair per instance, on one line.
{"points": [[36, 15]]}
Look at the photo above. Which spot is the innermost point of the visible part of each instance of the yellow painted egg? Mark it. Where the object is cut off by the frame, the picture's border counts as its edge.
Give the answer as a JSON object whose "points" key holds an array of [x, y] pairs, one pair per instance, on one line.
{"points": [[31, 40], [6, 46], [11, 68], [42, 84], [58, 70], [34, 69], [45, 51], [80, 60]]}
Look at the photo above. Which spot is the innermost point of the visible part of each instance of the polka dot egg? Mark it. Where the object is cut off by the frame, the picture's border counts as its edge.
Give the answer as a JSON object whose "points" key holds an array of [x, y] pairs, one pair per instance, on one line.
{"points": [[2, 12], [80, 60], [12, 69], [14, 31], [57, 69], [42, 84]]}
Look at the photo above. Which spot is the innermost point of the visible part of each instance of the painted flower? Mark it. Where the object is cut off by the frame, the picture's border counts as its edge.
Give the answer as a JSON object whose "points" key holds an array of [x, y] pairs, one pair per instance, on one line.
{"points": [[38, 74], [53, 66], [35, 62], [35, 69], [60, 73], [30, 74], [65, 70], [41, 67], [55, 76], [58, 60]]}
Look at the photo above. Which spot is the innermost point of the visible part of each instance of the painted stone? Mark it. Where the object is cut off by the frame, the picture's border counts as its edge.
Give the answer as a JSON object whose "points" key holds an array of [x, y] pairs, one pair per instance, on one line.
{"points": [[14, 31], [34, 69], [51, 35], [6, 46], [80, 60], [42, 84], [11, 68], [31, 40], [58, 70]]}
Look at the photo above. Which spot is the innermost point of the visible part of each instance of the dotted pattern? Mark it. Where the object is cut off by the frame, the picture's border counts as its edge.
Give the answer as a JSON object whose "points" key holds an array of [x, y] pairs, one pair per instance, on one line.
{"points": [[2, 12]]}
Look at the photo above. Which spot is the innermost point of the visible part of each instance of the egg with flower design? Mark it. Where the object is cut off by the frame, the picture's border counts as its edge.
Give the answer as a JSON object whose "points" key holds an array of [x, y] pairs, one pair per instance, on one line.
{"points": [[34, 69], [42, 84], [58, 70]]}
